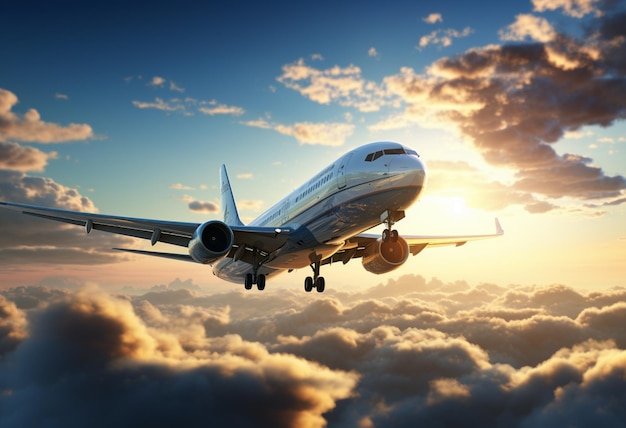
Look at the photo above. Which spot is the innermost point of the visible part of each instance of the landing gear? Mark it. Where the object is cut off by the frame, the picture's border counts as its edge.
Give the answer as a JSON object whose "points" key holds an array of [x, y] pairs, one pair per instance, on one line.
{"points": [[389, 218], [317, 281], [255, 277], [251, 279]]}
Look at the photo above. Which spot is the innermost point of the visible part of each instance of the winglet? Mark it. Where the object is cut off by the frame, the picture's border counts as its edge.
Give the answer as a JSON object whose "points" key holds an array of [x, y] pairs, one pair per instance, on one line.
{"points": [[499, 230], [229, 209]]}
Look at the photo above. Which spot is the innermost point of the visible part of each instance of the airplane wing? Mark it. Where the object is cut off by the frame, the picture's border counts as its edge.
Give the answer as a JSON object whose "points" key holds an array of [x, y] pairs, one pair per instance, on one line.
{"points": [[357, 245], [264, 239]]}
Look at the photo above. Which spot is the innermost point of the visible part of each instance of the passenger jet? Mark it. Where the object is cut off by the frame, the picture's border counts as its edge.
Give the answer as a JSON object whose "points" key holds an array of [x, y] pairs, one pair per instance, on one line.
{"points": [[321, 222]]}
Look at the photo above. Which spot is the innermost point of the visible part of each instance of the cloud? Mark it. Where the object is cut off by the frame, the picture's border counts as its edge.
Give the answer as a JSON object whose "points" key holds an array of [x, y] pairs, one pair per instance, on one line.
{"points": [[372, 52], [20, 158], [201, 206], [60, 96], [245, 176], [179, 186], [478, 189], [515, 101], [159, 104], [30, 127], [443, 37], [531, 26], [574, 8], [156, 81], [216, 108], [30, 241], [142, 375], [433, 18], [405, 353], [326, 134], [345, 86]]}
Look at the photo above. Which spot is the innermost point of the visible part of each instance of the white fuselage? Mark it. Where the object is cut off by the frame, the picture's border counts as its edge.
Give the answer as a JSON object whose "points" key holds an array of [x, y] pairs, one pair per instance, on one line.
{"points": [[344, 199]]}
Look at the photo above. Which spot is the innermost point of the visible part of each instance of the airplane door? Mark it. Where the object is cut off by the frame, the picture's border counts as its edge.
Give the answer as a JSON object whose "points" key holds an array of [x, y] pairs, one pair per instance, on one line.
{"points": [[341, 171]]}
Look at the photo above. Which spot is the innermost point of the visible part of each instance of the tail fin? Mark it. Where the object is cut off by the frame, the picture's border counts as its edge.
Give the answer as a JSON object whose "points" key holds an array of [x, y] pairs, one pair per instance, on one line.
{"points": [[229, 209]]}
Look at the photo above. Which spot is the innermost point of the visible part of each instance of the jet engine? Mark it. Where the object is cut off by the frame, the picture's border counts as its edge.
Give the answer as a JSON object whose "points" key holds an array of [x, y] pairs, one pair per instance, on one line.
{"points": [[382, 257], [211, 242]]}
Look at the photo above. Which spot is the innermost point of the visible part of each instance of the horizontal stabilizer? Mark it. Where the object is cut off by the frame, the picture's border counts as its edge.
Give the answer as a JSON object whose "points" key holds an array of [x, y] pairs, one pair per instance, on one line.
{"points": [[173, 256]]}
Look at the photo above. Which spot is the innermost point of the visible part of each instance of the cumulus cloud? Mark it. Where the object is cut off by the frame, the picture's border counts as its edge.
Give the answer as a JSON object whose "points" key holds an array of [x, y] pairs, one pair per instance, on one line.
{"points": [[30, 127], [326, 134], [146, 376], [344, 85], [531, 26], [574, 8], [405, 353], [515, 101], [22, 158]]}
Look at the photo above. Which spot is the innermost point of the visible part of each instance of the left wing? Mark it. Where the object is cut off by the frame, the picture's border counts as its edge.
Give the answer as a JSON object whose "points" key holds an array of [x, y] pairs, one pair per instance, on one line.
{"points": [[262, 239], [357, 245]]}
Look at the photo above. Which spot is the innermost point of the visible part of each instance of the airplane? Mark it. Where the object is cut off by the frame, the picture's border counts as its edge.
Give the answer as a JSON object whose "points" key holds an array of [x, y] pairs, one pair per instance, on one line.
{"points": [[321, 222]]}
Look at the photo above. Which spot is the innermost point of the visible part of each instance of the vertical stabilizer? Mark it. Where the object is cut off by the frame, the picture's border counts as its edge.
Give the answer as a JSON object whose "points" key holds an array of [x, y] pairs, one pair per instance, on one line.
{"points": [[229, 209]]}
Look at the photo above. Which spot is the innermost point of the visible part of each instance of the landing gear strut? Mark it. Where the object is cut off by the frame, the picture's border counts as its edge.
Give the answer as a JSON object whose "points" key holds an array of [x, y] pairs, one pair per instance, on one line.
{"points": [[317, 281], [389, 218]]}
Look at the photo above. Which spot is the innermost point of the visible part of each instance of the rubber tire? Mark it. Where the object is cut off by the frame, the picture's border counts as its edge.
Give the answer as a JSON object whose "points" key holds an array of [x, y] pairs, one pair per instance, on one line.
{"points": [[308, 284], [248, 281], [320, 284], [260, 282]]}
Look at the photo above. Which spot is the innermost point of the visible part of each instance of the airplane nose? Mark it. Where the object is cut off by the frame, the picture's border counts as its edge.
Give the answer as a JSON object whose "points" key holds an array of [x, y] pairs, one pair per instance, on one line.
{"points": [[410, 168]]}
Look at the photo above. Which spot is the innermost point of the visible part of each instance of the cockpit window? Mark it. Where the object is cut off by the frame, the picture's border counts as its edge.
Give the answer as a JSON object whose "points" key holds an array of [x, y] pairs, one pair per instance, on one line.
{"points": [[395, 152], [398, 151]]}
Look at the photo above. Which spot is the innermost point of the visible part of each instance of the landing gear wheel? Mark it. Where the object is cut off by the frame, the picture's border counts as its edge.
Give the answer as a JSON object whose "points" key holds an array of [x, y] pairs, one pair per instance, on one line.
{"points": [[308, 284], [394, 236], [249, 281], [386, 235], [320, 284], [260, 282]]}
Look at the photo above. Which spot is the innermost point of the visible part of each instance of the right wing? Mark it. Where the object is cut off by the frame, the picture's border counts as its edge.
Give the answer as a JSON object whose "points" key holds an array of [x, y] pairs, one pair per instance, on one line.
{"points": [[357, 245]]}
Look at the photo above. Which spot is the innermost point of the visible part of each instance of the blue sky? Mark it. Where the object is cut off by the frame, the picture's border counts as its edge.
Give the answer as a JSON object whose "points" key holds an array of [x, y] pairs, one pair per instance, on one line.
{"points": [[276, 92]]}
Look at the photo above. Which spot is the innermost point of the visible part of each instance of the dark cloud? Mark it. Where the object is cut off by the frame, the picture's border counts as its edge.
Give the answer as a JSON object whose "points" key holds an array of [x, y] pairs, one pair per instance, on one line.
{"points": [[515, 100], [409, 352], [203, 206]]}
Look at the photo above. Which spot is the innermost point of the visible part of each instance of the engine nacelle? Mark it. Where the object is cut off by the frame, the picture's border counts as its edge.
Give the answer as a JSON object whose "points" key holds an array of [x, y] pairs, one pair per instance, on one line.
{"points": [[211, 242], [382, 257]]}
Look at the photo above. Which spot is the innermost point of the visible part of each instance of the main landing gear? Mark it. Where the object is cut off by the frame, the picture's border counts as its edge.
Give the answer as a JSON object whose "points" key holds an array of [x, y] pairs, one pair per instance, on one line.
{"points": [[252, 279], [255, 278], [317, 281]]}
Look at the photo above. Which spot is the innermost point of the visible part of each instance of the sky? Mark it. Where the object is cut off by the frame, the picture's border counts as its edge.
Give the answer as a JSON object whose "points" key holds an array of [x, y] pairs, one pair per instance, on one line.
{"points": [[516, 108], [131, 112]]}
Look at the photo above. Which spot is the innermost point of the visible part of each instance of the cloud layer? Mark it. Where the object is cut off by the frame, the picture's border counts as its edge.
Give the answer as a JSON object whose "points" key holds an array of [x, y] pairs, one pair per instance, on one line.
{"points": [[407, 353]]}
